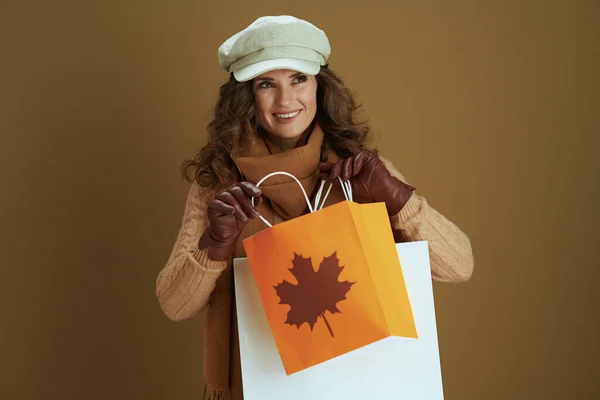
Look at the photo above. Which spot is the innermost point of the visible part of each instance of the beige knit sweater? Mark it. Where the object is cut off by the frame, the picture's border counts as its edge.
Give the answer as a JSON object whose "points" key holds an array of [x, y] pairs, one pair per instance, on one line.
{"points": [[185, 284]]}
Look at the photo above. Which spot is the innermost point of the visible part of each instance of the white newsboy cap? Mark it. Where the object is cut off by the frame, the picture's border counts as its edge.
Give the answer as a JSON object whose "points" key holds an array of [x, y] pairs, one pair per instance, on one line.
{"points": [[279, 42]]}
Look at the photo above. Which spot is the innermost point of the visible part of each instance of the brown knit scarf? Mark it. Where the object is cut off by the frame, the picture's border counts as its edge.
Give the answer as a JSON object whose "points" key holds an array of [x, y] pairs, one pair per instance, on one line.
{"points": [[255, 162], [282, 196]]}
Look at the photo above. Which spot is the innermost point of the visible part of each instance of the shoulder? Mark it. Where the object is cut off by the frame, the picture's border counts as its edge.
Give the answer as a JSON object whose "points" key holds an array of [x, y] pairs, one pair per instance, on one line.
{"points": [[202, 194], [198, 196], [392, 168]]}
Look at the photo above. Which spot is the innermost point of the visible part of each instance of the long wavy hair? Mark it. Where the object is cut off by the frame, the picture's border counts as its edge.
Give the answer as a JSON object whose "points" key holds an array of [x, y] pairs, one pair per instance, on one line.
{"points": [[234, 122]]}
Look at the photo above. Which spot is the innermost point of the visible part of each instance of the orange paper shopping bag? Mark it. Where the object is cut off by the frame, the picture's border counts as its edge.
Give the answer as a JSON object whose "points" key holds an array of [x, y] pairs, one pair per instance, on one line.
{"points": [[330, 282]]}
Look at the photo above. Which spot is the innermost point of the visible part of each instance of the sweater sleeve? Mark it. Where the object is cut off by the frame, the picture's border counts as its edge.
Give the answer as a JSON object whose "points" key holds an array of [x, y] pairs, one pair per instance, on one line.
{"points": [[184, 285], [450, 252]]}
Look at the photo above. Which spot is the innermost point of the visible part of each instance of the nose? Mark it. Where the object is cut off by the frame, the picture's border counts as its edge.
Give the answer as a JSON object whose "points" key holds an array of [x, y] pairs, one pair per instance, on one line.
{"points": [[286, 96]]}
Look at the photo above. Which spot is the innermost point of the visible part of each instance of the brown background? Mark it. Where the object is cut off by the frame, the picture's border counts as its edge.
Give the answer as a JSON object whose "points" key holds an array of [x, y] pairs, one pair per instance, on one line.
{"points": [[491, 110]]}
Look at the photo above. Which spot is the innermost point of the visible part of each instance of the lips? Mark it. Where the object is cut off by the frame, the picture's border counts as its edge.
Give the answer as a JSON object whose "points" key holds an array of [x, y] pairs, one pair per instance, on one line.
{"points": [[288, 115]]}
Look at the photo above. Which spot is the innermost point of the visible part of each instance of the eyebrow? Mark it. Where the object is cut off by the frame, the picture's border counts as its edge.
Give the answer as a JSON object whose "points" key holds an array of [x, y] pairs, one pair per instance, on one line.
{"points": [[271, 79]]}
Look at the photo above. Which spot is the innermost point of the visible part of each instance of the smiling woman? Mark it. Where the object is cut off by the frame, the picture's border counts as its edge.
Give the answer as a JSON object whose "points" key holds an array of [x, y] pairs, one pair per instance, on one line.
{"points": [[281, 109]]}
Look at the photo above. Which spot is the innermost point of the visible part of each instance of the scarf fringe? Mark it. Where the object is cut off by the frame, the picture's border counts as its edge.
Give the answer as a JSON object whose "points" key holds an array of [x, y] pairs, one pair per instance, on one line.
{"points": [[210, 394]]}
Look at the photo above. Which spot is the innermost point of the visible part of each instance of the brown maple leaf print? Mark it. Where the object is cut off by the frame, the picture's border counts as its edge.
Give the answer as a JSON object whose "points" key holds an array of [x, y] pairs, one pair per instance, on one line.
{"points": [[316, 292]]}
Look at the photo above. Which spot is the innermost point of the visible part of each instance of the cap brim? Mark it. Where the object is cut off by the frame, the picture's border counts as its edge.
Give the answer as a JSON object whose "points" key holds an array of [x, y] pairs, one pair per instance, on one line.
{"points": [[252, 71]]}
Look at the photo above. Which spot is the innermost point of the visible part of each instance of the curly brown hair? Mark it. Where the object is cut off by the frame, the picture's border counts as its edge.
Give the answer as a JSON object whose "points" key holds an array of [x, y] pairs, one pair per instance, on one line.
{"points": [[234, 120]]}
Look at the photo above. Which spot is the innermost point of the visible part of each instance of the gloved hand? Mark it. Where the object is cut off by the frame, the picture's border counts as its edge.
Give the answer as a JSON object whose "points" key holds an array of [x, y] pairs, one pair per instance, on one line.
{"points": [[370, 180], [228, 213]]}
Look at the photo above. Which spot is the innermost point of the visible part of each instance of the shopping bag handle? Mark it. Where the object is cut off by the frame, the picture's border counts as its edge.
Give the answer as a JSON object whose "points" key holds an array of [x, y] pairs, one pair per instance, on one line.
{"points": [[346, 188]]}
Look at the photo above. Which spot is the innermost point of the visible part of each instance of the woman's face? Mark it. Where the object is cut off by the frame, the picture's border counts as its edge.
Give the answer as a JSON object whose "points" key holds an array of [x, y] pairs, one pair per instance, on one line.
{"points": [[285, 102]]}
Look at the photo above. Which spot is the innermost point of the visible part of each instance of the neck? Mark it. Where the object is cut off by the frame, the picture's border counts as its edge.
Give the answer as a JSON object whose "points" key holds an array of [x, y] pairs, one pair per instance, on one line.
{"points": [[280, 145]]}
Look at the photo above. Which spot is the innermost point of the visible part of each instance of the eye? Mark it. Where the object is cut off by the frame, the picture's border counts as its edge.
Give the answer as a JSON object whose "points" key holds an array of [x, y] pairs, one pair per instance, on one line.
{"points": [[264, 84], [300, 79]]}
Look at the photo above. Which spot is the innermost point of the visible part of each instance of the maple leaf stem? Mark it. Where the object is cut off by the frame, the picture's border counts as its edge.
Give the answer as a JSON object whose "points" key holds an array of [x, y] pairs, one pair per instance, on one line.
{"points": [[327, 323]]}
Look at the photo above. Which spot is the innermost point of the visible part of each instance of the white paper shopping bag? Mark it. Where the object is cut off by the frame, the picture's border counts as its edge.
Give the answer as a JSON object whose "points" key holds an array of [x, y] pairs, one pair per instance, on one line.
{"points": [[392, 368]]}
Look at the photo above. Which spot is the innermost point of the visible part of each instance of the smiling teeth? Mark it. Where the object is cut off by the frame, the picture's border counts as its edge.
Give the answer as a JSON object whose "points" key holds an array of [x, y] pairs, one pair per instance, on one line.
{"points": [[290, 115]]}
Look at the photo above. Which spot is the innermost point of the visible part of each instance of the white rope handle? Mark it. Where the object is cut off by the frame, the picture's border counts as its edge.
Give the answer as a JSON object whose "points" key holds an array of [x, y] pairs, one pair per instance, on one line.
{"points": [[291, 176], [346, 189]]}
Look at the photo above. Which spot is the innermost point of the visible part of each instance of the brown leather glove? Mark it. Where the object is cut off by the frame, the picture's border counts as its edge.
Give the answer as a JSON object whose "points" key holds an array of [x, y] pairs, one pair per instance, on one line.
{"points": [[370, 180], [228, 213]]}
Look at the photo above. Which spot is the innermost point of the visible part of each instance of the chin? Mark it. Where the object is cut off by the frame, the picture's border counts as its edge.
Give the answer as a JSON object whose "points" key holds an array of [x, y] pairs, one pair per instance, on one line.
{"points": [[289, 133], [285, 134]]}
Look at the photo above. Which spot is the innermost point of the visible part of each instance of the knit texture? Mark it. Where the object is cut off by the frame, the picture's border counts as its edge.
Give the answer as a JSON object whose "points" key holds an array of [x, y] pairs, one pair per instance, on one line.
{"points": [[184, 285], [190, 281]]}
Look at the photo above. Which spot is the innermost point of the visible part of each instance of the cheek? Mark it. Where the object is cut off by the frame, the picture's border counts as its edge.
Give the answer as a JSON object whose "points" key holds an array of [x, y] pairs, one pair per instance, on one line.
{"points": [[261, 105], [309, 98]]}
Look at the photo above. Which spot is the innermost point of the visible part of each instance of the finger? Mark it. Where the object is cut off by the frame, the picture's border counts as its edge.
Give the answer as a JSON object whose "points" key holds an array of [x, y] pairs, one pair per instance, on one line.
{"points": [[227, 198], [334, 172], [218, 208], [258, 201], [244, 201], [250, 189], [253, 191], [346, 172], [325, 166], [359, 161], [324, 170]]}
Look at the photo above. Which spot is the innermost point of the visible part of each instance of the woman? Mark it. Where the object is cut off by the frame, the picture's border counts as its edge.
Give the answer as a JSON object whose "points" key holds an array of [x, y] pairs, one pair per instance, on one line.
{"points": [[282, 109]]}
